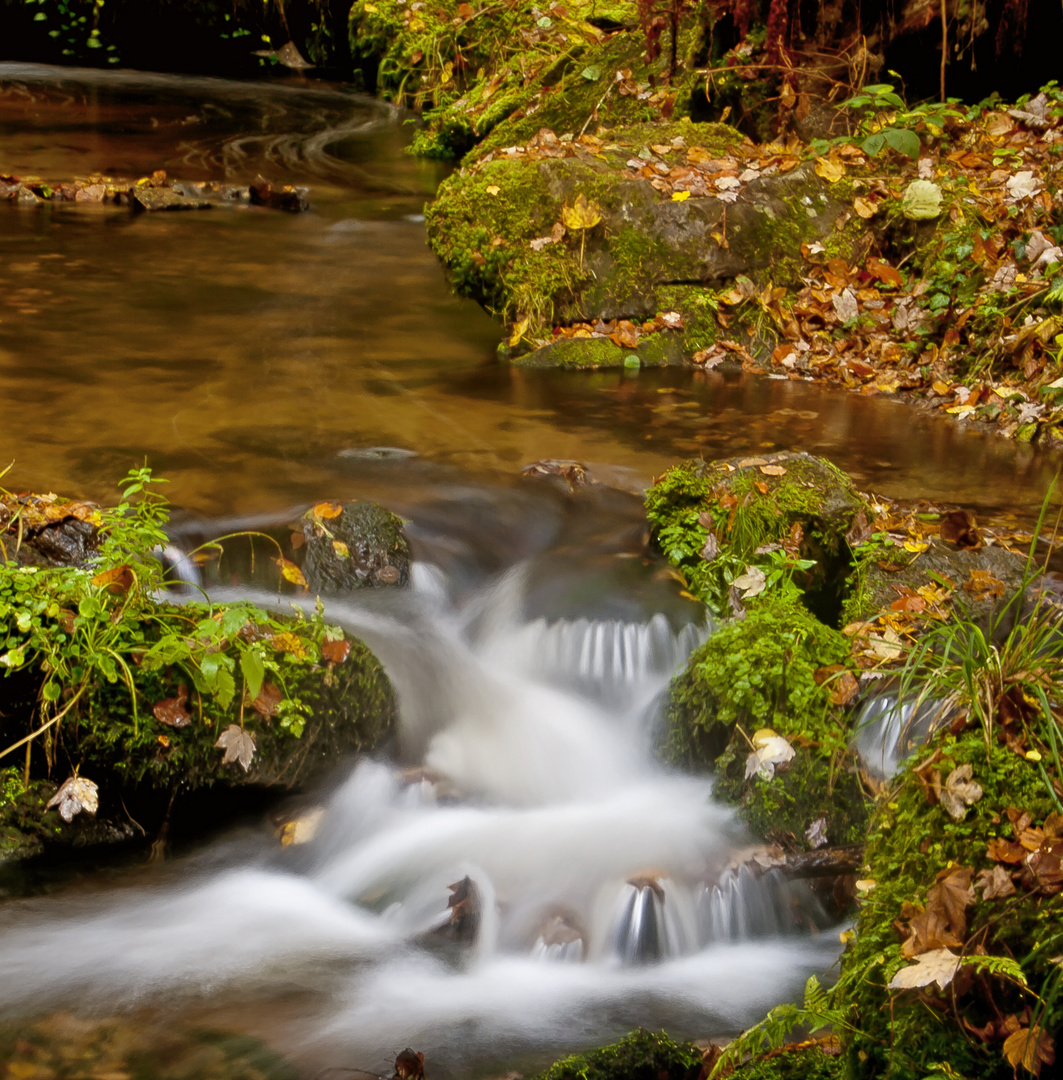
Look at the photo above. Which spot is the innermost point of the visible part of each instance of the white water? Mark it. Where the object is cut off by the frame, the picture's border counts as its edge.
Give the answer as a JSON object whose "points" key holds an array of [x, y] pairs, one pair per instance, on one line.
{"points": [[605, 901]]}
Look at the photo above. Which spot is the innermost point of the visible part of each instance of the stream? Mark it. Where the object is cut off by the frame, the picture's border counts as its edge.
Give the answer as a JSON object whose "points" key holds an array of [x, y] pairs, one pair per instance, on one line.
{"points": [[519, 877]]}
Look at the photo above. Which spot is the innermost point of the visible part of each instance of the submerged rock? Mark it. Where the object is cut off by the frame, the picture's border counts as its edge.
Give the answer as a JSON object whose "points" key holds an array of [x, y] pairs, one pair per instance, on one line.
{"points": [[364, 546]]}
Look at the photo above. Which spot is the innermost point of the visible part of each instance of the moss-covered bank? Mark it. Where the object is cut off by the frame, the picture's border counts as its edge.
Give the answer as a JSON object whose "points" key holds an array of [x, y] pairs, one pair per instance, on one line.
{"points": [[143, 697]]}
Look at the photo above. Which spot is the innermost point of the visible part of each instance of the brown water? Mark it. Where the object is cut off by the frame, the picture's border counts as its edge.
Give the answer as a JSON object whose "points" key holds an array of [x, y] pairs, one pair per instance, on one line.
{"points": [[251, 356]]}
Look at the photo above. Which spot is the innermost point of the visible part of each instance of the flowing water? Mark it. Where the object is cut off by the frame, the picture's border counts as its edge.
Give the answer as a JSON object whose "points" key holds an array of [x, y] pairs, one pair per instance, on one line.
{"points": [[518, 877]]}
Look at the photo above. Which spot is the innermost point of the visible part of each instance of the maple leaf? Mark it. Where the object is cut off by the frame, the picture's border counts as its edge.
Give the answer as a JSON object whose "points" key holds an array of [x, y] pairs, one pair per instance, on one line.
{"points": [[769, 750], [937, 966], [1031, 1048], [238, 746], [995, 883], [944, 922], [267, 703], [959, 792], [581, 215], [76, 794], [752, 582]]}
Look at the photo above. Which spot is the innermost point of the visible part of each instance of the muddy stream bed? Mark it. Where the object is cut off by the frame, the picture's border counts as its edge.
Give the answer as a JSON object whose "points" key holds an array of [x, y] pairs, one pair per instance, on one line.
{"points": [[262, 361]]}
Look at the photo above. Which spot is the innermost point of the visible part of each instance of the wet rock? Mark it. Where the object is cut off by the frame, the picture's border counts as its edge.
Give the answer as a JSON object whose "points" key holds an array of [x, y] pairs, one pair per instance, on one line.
{"points": [[365, 546], [155, 199], [64, 543], [288, 198]]}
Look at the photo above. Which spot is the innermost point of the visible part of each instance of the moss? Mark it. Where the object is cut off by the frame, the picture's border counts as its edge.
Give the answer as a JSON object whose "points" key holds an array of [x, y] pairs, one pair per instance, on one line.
{"points": [[699, 307], [24, 830], [330, 710], [761, 672], [807, 1063], [910, 842], [642, 1055], [576, 353], [747, 509]]}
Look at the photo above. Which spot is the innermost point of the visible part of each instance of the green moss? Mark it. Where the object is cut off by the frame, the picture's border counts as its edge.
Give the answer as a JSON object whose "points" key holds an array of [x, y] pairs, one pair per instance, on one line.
{"points": [[910, 842], [699, 307], [755, 672], [726, 498], [814, 1063], [576, 353], [642, 1055]]}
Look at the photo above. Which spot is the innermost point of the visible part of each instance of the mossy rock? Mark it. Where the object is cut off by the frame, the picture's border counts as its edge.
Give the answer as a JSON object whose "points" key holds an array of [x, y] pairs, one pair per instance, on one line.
{"points": [[747, 504], [486, 216], [882, 573], [796, 1063], [499, 76], [761, 672], [365, 546], [912, 840], [642, 1055]]}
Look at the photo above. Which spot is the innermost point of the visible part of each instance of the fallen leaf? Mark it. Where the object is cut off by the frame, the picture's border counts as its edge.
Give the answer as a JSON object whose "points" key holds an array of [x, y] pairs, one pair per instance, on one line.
{"points": [[816, 833], [76, 794], [680, 196], [865, 208], [751, 583], [841, 685], [172, 711], [1031, 1048], [289, 643], [829, 171], [326, 510], [984, 585], [341, 549], [1023, 185], [493, 189], [302, 829], [995, 883], [238, 746], [959, 792], [336, 650], [769, 750], [581, 215], [291, 572], [959, 527], [773, 470], [921, 201], [118, 580], [937, 966], [882, 271], [268, 701]]}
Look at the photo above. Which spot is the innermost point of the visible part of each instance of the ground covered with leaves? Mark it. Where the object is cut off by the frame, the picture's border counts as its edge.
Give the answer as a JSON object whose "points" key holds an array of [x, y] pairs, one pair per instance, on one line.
{"points": [[953, 965]]}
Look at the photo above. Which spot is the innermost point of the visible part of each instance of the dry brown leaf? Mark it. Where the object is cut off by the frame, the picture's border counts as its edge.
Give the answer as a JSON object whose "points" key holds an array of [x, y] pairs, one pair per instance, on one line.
{"points": [[959, 792], [76, 794], [1031, 1048], [936, 966], [238, 746], [172, 711], [773, 470], [268, 701], [995, 883], [118, 580]]}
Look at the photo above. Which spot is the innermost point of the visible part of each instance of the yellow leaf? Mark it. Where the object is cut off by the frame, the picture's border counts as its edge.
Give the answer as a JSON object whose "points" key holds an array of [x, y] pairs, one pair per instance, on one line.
{"points": [[680, 196], [520, 328], [941, 388], [493, 189], [866, 885], [447, 74], [829, 171], [370, 7], [864, 208], [581, 215], [761, 737], [341, 549], [915, 546], [289, 643], [326, 510], [960, 410], [291, 572], [1033, 755]]}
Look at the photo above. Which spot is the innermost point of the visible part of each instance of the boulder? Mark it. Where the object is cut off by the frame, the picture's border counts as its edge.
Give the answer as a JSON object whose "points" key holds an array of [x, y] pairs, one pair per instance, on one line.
{"points": [[363, 546]]}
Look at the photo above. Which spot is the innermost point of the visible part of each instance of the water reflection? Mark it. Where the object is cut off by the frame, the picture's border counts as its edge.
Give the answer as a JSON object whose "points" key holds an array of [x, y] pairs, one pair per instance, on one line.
{"points": [[252, 356]]}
